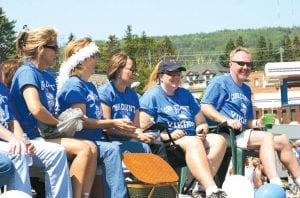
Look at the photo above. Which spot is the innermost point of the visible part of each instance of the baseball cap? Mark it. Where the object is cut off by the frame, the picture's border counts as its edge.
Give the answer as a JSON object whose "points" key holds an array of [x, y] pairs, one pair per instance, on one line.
{"points": [[170, 65]]}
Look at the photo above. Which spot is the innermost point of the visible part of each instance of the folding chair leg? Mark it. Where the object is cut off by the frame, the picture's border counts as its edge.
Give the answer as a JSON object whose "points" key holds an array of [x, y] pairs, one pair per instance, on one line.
{"points": [[182, 179], [151, 192]]}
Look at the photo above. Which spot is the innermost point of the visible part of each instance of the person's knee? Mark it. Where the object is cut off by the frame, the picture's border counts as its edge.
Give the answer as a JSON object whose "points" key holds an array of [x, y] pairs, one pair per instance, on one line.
{"points": [[282, 142], [93, 149], [267, 137]]}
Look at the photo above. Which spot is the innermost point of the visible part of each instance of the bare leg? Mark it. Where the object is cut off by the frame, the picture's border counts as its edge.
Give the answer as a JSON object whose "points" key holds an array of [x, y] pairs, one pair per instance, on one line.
{"points": [[196, 160], [215, 151], [84, 157], [286, 155], [264, 142]]}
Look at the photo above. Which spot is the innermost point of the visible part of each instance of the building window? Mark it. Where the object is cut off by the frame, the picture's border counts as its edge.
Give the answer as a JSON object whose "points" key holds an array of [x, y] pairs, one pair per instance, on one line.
{"points": [[256, 82]]}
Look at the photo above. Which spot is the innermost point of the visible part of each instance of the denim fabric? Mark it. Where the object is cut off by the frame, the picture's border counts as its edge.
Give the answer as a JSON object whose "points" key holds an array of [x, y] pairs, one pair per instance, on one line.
{"points": [[114, 182], [6, 169], [51, 157], [17, 176], [132, 146]]}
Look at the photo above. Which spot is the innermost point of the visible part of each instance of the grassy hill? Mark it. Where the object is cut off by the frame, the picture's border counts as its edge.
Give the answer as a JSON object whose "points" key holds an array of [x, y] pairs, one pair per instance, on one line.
{"points": [[208, 46]]}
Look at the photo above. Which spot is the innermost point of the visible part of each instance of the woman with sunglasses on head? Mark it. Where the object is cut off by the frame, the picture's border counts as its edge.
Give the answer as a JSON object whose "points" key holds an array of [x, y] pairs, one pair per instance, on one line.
{"points": [[74, 91], [33, 92], [165, 101], [118, 100]]}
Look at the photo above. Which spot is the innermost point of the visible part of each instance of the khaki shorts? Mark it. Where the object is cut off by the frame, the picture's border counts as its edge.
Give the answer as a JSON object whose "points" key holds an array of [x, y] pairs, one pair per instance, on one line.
{"points": [[243, 138]]}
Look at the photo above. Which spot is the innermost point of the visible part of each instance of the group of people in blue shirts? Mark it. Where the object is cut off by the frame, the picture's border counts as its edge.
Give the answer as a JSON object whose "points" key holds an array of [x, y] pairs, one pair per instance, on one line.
{"points": [[115, 118]]}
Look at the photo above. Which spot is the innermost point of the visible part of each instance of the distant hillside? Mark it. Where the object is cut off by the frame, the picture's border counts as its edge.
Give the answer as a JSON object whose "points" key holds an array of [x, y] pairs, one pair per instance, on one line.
{"points": [[213, 44]]}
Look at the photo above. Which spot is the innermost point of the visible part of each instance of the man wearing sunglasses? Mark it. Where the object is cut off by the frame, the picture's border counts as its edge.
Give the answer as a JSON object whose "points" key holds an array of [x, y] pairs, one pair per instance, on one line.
{"points": [[228, 99]]}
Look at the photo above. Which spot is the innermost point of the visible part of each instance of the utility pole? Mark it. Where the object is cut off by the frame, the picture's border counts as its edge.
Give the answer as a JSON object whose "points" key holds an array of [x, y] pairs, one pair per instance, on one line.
{"points": [[281, 50]]}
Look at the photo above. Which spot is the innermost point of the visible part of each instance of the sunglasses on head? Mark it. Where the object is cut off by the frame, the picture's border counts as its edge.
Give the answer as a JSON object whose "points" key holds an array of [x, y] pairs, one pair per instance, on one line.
{"points": [[53, 47], [242, 63]]}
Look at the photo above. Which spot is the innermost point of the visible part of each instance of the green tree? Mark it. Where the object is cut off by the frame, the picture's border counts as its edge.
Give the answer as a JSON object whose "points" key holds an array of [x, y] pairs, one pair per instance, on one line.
{"points": [[130, 42], [239, 42], [110, 47], [261, 53], [271, 55], [71, 37], [287, 46], [7, 37], [224, 58], [296, 48]]}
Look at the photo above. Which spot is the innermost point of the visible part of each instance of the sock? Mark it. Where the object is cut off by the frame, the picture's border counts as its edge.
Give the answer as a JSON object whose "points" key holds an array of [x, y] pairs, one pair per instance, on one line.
{"points": [[211, 190], [297, 181], [276, 180], [86, 195]]}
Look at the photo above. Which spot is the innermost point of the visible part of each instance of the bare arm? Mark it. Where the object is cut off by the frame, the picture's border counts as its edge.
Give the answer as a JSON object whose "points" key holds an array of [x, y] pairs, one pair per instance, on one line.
{"points": [[90, 123], [211, 112], [144, 121], [14, 142], [18, 135], [201, 122], [33, 102], [136, 134]]}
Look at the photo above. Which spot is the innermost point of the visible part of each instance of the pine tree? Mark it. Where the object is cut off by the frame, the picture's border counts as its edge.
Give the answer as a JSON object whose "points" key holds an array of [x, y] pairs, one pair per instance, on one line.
{"points": [[296, 48], [261, 55], [287, 46], [7, 37], [239, 42], [108, 49], [130, 42], [224, 58]]}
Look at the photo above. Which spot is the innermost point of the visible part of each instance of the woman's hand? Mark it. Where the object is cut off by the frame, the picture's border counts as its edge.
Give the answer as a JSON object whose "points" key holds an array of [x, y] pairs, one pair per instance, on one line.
{"points": [[177, 134], [124, 125], [146, 137], [15, 146]]}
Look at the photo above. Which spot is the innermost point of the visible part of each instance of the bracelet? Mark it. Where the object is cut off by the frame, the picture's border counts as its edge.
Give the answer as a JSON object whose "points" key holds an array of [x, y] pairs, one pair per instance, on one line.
{"points": [[256, 122]]}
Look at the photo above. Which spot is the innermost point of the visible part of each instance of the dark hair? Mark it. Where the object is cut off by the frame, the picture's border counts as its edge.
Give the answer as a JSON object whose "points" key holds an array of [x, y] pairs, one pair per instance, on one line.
{"points": [[117, 62], [8, 69]]}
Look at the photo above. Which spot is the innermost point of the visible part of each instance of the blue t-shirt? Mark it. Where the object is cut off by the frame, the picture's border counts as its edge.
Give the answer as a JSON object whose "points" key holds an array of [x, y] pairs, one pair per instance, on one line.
{"points": [[178, 111], [29, 74], [229, 99], [76, 90], [123, 105], [6, 114]]}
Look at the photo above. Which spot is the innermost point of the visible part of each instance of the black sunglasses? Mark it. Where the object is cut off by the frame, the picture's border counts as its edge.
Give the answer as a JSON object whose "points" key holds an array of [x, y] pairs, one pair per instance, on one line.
{"points": [[53, 47], [242, 63]]}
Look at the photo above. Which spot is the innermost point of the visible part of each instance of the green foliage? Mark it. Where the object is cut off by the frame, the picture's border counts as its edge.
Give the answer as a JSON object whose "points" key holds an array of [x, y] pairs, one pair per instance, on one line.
{"points": [[261, 53], [211, 46], [239, 41], [7, 37], [107, 50], [224, 58]]}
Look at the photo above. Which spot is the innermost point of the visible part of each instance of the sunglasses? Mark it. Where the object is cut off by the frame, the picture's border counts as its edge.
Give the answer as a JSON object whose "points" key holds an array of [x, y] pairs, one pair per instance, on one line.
{"points": [[133, 70], [242, 63], [53, 47]]}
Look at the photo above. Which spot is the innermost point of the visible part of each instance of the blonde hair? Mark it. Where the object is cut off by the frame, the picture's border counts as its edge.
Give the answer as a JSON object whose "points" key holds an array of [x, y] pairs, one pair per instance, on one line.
{"points": [[153, 78], [117, 62], [28, 42], [236, 50], [71, 48]]}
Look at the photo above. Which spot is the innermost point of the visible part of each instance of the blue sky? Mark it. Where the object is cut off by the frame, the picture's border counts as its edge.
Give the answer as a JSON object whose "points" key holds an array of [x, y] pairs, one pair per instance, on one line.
{"points": [[101, 18]]}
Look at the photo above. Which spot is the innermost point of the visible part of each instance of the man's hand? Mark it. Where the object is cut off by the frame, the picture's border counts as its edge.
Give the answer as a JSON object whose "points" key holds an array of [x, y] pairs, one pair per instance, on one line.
{"points": [[235, 124]]}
